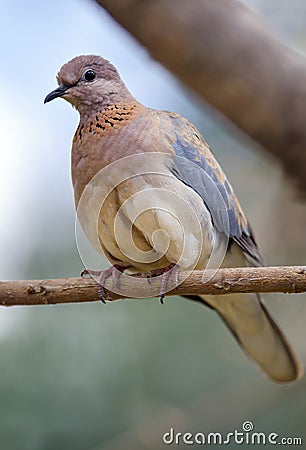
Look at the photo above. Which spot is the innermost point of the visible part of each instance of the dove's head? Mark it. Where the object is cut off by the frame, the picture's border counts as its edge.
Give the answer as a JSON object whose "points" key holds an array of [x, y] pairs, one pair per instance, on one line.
{"points": [[89, 83]]}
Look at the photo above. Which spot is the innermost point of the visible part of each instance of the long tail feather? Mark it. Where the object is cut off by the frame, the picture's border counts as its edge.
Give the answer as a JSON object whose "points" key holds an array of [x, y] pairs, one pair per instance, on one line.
{"points": [[258, 334]]}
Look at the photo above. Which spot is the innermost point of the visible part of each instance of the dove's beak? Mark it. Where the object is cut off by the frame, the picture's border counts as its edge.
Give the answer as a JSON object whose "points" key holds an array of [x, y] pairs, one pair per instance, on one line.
{"points": [[58, 92]]}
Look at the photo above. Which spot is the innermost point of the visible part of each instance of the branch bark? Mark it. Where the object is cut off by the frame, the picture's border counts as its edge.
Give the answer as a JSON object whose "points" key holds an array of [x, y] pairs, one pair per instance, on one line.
{"points": [[230, 58], [224, 281]]}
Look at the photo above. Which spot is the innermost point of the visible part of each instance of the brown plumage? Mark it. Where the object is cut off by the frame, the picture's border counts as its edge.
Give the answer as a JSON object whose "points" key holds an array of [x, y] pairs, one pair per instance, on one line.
{"points": [[166, 200]]}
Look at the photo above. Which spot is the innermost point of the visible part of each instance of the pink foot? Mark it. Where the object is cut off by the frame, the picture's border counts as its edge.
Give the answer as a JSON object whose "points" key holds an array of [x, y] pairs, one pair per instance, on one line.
{"points": [[165, 273], [115, 271], [171, 269]]}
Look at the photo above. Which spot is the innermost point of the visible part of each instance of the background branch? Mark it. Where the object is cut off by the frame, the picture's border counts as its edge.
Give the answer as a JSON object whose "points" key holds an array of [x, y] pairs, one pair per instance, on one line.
{"points": [[224, 281], [230, 58]]}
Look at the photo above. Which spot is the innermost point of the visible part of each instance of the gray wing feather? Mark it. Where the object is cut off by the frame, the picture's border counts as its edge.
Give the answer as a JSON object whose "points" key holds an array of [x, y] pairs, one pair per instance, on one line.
{"points": [[195, 165]]}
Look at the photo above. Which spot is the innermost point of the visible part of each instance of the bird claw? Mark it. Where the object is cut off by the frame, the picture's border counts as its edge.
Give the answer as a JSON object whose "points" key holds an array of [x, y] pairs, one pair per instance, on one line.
{"points": [[149, 276], [102, 294], [165, 274], [167, 271], [115, 271], [92, 273]]}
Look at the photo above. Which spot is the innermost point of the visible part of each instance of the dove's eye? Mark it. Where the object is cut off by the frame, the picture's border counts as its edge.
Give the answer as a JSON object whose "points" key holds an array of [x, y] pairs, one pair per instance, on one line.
{"points": [[90, 75]]}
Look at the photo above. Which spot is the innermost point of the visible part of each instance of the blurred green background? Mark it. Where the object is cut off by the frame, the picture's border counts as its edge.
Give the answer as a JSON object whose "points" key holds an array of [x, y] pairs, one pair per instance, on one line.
{"points": [[94, 377]]}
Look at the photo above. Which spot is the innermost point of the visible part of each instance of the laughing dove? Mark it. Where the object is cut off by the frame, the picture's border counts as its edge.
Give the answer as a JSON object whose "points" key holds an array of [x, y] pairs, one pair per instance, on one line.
{"points": [[171, 205]]}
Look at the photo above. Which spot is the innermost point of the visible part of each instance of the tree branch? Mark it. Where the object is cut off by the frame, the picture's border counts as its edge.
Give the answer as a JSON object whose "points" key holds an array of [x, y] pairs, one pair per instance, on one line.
{"points": [[224, 281], [230, 58]]}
